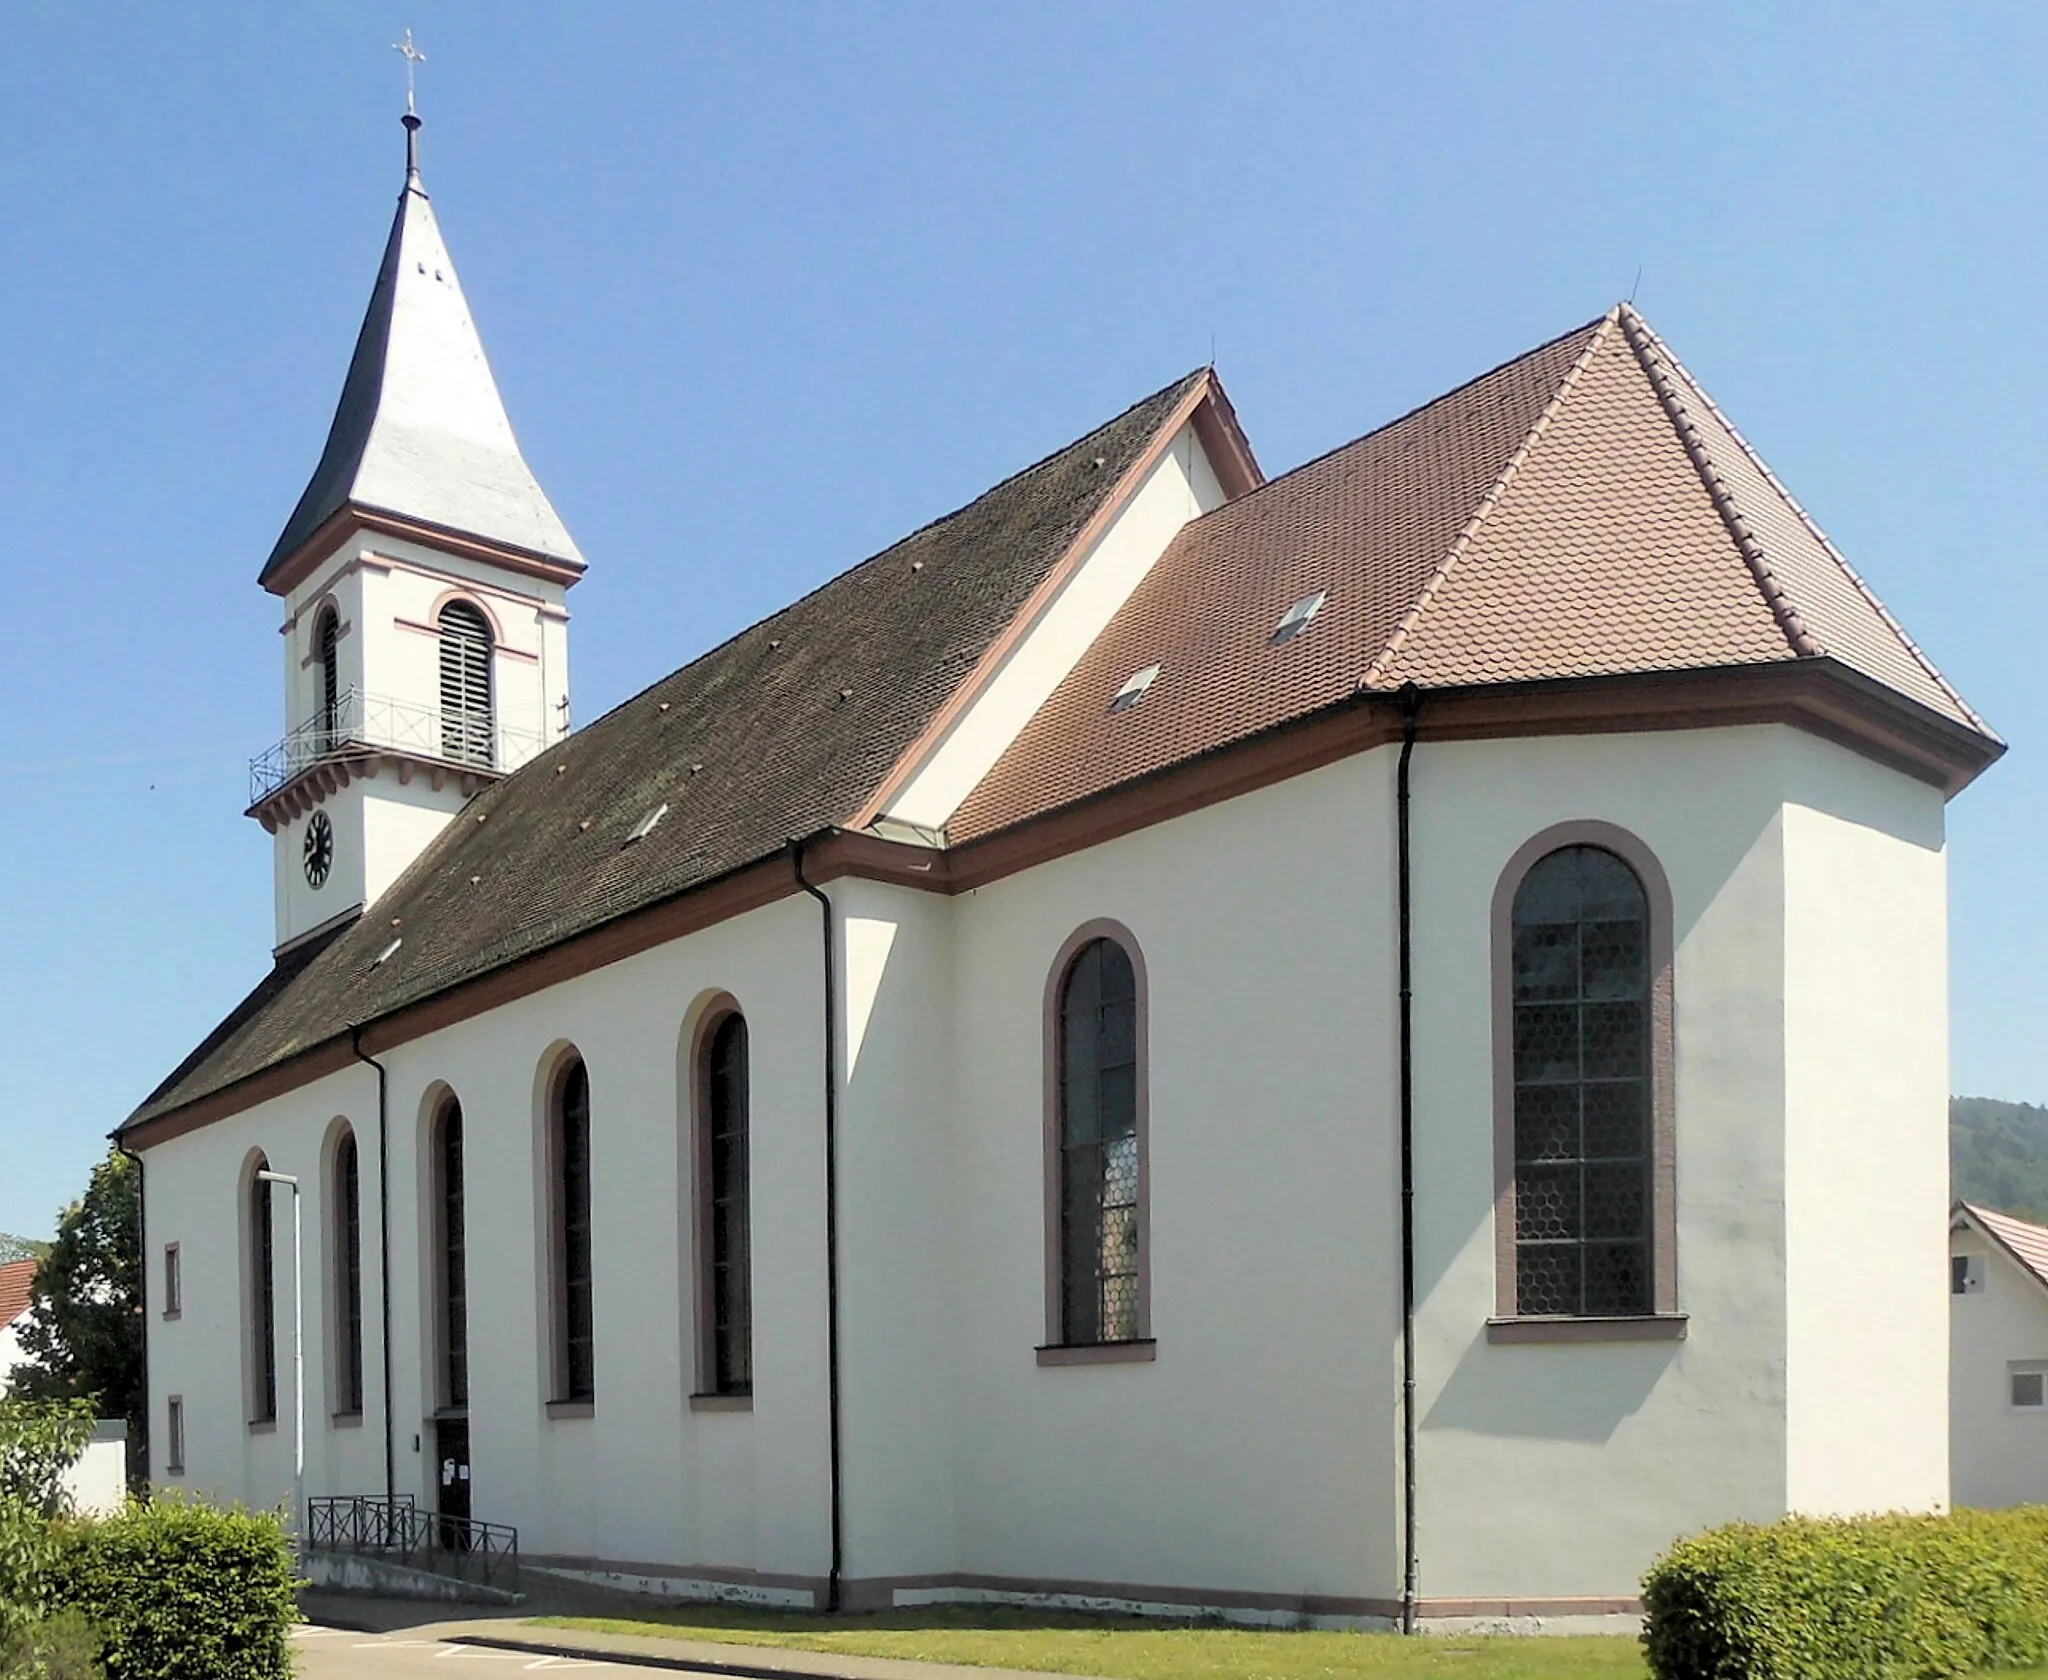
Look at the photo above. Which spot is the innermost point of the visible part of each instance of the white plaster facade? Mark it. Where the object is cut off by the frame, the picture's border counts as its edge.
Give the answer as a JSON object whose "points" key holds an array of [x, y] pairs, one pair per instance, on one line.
{"points": [[1254, 1462], [1998, 1326]]}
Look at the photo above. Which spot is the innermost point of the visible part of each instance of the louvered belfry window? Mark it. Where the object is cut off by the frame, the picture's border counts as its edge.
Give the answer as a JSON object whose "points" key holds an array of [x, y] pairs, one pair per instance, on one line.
{"points": [[1098, 1167], [466, 724], [262, 1299], [1582, 1024], [575, 1372], [327, 648], [727, 1249], [452, 1262]]}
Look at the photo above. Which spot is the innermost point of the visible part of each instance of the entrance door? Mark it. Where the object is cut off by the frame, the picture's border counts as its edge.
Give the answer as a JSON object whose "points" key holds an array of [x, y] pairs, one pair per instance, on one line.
{"points": [[451, 1454]]}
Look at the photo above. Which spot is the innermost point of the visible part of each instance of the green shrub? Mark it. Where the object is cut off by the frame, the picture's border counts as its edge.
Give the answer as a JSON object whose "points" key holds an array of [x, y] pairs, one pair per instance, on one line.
{"points": [[1864, 1598], [39, 1441], [180, 1590], [59, 1647]]}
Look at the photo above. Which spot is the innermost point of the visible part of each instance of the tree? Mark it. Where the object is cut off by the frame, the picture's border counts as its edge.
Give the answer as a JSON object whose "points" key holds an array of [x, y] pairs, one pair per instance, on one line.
{"points": [[83, 1332], [14, 1248]]}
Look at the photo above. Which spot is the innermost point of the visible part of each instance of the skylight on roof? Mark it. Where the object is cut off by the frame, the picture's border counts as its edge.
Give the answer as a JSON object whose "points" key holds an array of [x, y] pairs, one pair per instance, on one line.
{"points": [[389, 951], [645, 826], [1297, 617], [1134, 690]]}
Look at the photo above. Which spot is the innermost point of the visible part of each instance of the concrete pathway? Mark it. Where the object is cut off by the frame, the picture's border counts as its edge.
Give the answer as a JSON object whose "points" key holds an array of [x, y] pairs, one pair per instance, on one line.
{"points": [[346, 1637]]}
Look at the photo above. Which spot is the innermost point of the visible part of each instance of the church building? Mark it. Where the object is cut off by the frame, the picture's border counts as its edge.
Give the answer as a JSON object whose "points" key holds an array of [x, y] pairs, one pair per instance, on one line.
{"points": [[1360, 1043]]}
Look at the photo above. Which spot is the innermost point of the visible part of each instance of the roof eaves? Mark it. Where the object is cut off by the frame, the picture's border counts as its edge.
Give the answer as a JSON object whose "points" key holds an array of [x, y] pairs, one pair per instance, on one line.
{"points": [[1376, 673]]}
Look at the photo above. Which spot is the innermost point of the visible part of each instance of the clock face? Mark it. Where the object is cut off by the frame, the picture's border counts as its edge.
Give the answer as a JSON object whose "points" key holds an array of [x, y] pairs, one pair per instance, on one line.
{"points": [[319, 850]]}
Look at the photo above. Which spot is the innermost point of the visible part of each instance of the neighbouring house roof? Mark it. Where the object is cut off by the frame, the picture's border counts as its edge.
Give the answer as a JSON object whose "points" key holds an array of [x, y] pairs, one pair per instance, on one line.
{"points": [[780, 732], [15, 1278], [420, 431], [2022, 1239], [1583, 511]]}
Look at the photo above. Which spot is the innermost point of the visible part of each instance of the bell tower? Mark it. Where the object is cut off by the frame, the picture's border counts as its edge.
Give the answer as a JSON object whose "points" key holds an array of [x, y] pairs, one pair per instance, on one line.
{"points": [[424, 574]]}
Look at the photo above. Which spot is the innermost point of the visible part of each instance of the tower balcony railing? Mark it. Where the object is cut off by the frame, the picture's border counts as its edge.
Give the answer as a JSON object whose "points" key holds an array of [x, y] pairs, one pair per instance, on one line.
{"points": [[471, 739]]}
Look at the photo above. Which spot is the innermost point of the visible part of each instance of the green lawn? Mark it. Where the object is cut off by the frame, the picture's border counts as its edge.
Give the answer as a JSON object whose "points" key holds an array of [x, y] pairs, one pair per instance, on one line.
{"points": [[1129, 1649]]}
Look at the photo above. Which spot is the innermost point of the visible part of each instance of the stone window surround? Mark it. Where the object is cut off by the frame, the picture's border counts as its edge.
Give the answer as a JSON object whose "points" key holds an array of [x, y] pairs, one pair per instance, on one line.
{"points": [[1664, 1322], [1143, 1348]]}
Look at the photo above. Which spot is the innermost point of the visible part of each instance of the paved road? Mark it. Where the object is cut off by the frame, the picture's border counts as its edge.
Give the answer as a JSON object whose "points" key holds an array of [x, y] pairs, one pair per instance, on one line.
{"points": [[327, 1653]]}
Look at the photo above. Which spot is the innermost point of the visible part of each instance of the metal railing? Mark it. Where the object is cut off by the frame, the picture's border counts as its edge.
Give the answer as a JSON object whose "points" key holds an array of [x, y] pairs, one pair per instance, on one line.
{"points": [[475, 739], [396, 1529]]}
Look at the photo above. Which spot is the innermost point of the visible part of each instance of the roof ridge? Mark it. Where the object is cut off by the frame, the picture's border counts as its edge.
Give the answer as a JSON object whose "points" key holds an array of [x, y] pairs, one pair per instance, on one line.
{"points": [[1399, 420], [1812, 525], [1650, 355], [1376, 672]]}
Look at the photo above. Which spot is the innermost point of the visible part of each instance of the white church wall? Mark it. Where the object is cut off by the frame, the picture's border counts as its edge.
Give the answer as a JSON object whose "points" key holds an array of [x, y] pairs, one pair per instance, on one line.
{"points": [[1998, 1454], [1561, 1470], [1866, 1149], [1181, 486], [1255, 1452], [196, 1199], [903, 1226], [643, 1479]]}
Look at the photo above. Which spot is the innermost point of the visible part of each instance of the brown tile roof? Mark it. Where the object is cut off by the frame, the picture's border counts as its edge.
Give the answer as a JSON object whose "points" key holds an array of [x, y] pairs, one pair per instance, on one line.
{"points": [[2025, 1241], [15, 1278], [782, 731], [1581, 511]]}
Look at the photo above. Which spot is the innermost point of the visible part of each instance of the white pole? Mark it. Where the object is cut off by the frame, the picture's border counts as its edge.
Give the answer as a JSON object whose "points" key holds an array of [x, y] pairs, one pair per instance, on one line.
{"points": [[298, 1360]]}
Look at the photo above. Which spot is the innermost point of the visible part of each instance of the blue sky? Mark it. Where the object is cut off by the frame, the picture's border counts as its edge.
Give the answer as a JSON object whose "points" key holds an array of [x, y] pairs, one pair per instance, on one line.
{"points": [[766, 287]]}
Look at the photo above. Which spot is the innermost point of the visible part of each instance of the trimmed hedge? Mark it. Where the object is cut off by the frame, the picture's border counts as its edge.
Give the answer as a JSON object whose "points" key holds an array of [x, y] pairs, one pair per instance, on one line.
{"points": [[179, 1590], [1862, 1598]]}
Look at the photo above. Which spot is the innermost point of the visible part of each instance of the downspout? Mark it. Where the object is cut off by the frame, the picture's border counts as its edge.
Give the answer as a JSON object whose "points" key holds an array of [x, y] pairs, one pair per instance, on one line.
{"points": [[832, 1578], [1411, 707], [141, 1295], [355, 1044]]}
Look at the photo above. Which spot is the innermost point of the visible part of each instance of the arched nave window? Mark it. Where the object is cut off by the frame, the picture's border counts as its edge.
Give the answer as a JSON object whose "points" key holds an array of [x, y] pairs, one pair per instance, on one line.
{"points": [[450, 1301], [568, 1157], [1583, 1026], [725, 1315], [466, 722], [261, 1241], [327, 655], [1096, 1170], [345, 1285]]}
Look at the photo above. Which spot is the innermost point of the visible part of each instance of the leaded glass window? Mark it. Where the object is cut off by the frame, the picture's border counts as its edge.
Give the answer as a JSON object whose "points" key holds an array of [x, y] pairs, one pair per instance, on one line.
{"points": [[1099, 1185], [452, 1261], [728, 1248], [577, 1371], [348, 1275], [262, 1298], [1582, 1087], [327, 650]]}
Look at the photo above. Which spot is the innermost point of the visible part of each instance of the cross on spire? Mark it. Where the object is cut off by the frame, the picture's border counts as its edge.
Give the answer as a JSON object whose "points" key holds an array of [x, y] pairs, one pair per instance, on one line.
{"points": [[413, 58]]}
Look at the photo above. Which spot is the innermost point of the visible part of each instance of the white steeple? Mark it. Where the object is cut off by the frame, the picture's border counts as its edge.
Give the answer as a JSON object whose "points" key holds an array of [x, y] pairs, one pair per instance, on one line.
{"points": [[423, 572], [421, 432]]}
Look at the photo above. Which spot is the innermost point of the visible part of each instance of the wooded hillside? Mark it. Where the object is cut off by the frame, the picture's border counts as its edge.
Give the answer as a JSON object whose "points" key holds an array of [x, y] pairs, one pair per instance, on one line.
{"points": [[1998, 1155]]}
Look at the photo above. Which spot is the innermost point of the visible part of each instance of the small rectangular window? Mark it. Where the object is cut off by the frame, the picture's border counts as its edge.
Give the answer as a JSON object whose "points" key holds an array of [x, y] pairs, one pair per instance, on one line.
{"points": [[174, 1436], [1966, 1274], [2027, 1385], [174, 1282]]}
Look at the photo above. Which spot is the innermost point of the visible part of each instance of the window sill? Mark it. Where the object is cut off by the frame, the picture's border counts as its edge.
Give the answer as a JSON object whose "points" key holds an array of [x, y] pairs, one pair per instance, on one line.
{"points": [[572, 1408], [263, 1426], [347, 1420], [1646, 1327], [171, 1315], [1141, 1352], [721, 1402], [174, 1469]]}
